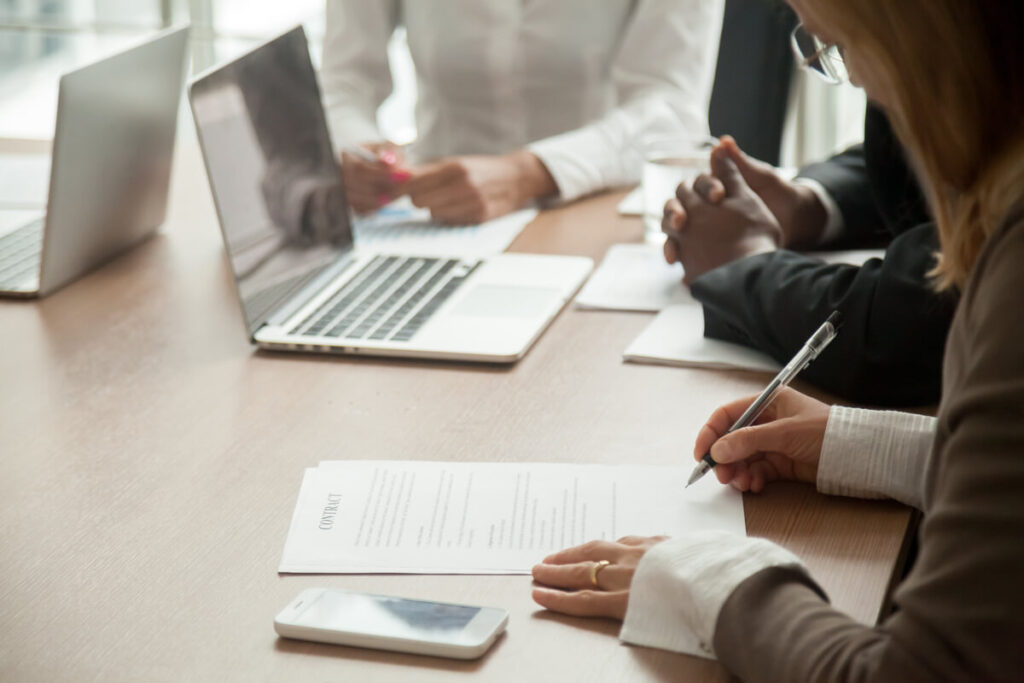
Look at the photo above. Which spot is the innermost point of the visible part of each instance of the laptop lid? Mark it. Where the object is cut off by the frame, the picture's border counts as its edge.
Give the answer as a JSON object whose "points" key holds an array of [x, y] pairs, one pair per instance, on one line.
{"points": [[275, 180], [112, 150]]}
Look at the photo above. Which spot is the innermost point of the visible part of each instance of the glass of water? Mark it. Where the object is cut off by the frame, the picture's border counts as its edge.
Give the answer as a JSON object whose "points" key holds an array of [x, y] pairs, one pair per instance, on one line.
{"points": [[667, 163]]}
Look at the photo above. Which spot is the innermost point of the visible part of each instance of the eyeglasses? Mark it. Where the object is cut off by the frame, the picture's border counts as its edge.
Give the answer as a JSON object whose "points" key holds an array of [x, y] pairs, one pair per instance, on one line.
{"points": [[822, 59]]}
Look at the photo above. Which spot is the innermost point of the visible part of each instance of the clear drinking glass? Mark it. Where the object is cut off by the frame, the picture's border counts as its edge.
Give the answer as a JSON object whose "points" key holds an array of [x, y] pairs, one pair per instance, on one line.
{"points": [[667, 163]]}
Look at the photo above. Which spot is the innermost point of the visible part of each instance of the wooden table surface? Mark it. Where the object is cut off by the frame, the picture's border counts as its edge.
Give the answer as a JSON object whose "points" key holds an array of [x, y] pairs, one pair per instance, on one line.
{"points": [[150, 460]]}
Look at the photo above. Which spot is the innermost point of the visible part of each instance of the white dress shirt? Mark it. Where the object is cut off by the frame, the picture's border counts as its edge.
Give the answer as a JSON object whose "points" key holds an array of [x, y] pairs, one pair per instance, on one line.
{"points": [[584, 85]]}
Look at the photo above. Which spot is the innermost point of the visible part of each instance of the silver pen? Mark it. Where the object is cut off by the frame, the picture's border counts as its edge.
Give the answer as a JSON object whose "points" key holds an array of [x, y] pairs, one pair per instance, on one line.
{"points": [[811, 349]]}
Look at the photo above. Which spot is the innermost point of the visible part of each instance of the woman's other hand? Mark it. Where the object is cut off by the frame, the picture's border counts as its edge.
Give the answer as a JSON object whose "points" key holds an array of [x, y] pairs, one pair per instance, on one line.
{"points": [[785, 442], [370, 185], [473, 189], [593, 579]]}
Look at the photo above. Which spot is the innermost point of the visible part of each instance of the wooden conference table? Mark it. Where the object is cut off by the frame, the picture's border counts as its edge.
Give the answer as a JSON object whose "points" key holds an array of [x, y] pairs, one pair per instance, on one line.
{"points": [[150, 461]]}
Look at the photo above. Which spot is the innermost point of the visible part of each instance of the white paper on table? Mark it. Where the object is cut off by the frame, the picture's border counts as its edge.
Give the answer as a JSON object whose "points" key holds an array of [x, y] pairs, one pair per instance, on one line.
{"points": [[402, 226], [360, 517], [24, 181], [635, 277], [632, 204], [676, 337]]}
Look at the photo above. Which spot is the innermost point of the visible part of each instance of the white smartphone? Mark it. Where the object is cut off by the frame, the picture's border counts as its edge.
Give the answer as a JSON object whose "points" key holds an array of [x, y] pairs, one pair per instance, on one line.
{"points": [[328, 615]]}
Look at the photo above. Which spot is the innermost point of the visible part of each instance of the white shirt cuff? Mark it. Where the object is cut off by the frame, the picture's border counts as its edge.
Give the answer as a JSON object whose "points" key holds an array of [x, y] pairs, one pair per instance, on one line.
{"points": [[349, 128], [569, 160], [875, 454], [681, 584], [834, 220]]}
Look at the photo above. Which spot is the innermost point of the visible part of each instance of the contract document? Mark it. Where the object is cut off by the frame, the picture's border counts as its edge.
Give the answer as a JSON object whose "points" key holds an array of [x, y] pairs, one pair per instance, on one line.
{"points": [[363, 517], [403, 227]]}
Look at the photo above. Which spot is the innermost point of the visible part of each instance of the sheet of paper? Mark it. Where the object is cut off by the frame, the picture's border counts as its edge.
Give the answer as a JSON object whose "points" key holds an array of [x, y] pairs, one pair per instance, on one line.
{"points": [[400, 226], [358, 517], [635, 277], [676, 337]]}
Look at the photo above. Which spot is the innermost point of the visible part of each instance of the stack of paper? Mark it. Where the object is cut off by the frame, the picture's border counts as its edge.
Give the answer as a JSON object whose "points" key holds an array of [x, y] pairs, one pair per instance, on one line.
{"points": [[358, 517], [676, 337], [402, 226], [635, 277]]}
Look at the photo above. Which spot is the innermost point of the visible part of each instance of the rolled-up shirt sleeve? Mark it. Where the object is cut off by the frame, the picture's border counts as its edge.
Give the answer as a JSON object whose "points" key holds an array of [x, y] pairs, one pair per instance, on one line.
{"points": [[355, 74], [662, 76]]}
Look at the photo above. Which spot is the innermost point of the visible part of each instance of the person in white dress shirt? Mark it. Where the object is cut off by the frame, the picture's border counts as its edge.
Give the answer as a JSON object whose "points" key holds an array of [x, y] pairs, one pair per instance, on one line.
{"points": [[518, 100]]}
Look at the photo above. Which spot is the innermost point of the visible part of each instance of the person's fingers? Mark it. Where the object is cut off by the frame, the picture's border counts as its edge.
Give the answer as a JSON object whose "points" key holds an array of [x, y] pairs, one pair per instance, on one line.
{"points": [[465, 213], [673, 216], [610, 577], [432, 176], [724, 168], [754, 171], [725, 473], [585, 603], [687, 197], [718, 423], [442, 196], [742, 480], [709, 188], [591, 551], [573, 575], [762, 472], [639, 540], [775, 436], [671, 251], [377, 173]]}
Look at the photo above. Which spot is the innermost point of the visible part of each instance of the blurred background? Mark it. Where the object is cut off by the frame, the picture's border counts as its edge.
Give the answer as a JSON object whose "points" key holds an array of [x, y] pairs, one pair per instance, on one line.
{"points": [[40, 39]]}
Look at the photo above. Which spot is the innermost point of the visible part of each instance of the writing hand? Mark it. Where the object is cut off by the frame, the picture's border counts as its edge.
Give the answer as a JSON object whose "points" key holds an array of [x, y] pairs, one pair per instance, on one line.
{"points": [[784, 443]]}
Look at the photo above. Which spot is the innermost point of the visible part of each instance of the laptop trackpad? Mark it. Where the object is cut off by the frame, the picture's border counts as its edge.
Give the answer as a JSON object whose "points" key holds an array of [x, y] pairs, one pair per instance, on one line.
{"points": [[498, 301]]}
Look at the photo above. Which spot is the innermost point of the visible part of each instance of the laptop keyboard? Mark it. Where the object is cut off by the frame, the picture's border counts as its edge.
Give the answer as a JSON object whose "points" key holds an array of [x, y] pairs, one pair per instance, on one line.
{"points": [[20, 251], [390, 299]]}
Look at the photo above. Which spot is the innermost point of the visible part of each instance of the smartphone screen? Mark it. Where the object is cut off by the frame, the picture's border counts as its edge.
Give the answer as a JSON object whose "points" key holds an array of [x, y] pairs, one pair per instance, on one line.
{"points": [[387, 616]]}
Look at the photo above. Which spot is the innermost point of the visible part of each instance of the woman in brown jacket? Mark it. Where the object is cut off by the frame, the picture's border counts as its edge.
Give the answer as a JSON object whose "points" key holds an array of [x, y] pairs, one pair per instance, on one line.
{"points": [[950, 75]]}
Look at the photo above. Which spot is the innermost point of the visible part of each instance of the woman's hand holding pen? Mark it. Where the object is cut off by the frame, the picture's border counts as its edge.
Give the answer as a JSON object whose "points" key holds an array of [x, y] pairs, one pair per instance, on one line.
{"points": [[593, 579], [372, 179], [784, 443]]}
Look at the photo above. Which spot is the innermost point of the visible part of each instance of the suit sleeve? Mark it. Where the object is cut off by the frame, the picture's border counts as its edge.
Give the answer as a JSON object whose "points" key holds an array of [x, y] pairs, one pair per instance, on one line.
{"points": [[355, 74], [889, 351], [844, 177]]}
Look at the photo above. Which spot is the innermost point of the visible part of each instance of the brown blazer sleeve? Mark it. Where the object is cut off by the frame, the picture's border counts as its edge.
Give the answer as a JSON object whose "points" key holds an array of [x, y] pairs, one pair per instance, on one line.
{"points": [[960, 612]]}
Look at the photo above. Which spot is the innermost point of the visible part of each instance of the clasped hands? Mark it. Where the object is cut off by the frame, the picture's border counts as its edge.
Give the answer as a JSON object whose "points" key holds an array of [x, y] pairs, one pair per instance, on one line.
{"points": [[593, 579], [457, 190], [741, 208]]}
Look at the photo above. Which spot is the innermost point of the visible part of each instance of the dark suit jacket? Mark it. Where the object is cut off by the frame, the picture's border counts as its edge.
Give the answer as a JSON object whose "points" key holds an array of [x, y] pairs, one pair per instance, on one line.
{"points": [[889, 351]]}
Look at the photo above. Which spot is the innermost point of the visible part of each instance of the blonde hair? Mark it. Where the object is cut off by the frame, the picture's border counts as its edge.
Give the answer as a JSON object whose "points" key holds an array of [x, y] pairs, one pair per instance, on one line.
{"points": [[954, 81]]}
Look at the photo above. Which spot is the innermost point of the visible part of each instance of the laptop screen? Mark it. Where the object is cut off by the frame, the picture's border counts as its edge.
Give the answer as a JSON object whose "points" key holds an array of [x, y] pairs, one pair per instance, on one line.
{"points": [[275, 179]]}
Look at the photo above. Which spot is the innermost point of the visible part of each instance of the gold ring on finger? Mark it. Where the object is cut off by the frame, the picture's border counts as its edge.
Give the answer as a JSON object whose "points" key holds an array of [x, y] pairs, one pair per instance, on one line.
{"points": [[595, 569]]}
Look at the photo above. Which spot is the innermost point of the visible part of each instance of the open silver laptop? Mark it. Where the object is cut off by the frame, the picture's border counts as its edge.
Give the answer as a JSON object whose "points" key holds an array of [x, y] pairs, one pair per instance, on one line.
{"points": [[303, 284], [109, 170]]}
